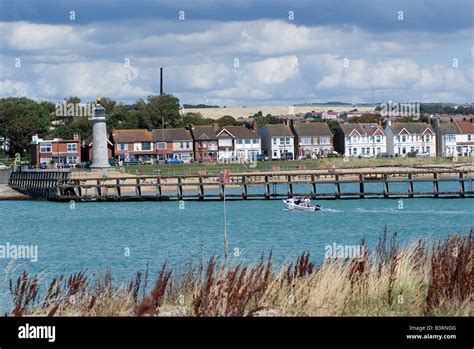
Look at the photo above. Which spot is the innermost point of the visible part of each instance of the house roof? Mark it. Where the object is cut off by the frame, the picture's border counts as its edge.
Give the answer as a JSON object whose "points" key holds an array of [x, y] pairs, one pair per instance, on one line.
{"points": [[312, 129], [362, 128], [449, 128], [411, 127], [204, 133], [279, 130], [129, 136], [239, 132], [171, 134], [466, 127]]}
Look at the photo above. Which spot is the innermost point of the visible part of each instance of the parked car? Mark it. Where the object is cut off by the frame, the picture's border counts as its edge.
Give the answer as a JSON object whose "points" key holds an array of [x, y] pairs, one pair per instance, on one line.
{"points": [[287, 156], [113, 162], [364, 156], [423, 155], [84, 164], [173, 161], [3, 166], [411, 154], [384, 155], [131, 162], [43, 166], [262, 157], [334, 154]]}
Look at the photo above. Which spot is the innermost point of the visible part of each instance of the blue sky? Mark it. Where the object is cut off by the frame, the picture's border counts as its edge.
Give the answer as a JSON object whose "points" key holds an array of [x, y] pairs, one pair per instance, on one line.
{"points": [[239, 52]]}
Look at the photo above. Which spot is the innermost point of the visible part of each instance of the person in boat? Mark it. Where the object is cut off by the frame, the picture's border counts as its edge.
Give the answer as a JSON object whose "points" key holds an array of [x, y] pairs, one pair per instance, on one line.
{"points": [[306, 201]]}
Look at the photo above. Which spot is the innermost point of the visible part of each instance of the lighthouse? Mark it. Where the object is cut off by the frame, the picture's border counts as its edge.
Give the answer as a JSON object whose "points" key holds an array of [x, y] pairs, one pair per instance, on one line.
{"points": [[100, 156]]}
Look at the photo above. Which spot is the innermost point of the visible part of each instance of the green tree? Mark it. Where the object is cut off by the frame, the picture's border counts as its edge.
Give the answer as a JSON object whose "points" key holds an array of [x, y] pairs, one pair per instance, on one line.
{"points": [[21, 118], [158, 109]]}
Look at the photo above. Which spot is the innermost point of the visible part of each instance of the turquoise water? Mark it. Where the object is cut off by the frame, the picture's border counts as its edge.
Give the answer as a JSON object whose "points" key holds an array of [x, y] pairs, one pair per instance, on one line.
{"points": [[95, 236]]}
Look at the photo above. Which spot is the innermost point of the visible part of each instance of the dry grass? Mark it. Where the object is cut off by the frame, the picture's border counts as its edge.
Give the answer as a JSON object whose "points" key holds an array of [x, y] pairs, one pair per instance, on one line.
{"points": [[415, 280]]}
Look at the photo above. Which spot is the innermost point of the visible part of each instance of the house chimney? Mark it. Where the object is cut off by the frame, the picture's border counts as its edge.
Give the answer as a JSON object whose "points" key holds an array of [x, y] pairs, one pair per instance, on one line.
{"points": [[215, 126], [254, 125], [75, 136], [161, 81]]}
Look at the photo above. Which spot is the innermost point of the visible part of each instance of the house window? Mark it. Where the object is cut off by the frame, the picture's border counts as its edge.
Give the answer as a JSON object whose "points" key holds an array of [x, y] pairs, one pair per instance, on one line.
{"points": [[287, 140], [469, 137], [247, 141], [72, 147], [404, 139], [161, 145], [282, 141], [274, 141], [255, 141], [275, 154], [378, 139], [181, 145], [122, 146], [239, 141], [427, 138], [146, 145], [71, 159], [45, 148], [225, 142], [187, 145]]}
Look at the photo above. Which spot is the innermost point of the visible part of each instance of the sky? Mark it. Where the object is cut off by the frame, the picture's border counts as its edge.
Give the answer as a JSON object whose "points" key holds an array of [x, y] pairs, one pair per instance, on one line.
{"points": [[240, 52]]}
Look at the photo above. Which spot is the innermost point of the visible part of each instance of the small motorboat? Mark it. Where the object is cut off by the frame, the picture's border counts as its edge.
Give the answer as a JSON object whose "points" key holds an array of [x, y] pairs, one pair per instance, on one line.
{"points": [[301, 204]]}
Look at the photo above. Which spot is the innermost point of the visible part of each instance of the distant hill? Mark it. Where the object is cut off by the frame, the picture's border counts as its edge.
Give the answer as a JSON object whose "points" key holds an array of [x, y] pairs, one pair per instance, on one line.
{"points": [[198, 106]]}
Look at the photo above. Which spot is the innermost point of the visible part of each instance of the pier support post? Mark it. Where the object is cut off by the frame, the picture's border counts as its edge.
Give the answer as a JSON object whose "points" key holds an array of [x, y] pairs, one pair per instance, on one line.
{"points": [[98, 189], [461, 185], [244, 188], [435, 185], [158, 188], [222, 190], [201, 189], [386, 189], [361, 186], [337, 186], [313, 186], [290, 187], [180, 188], [138, 188], [266, 188], [410, 185]]}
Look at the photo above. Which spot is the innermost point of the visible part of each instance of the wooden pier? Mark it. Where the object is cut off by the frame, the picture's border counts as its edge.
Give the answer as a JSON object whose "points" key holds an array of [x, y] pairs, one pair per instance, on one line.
{"points": [[318, 184]]}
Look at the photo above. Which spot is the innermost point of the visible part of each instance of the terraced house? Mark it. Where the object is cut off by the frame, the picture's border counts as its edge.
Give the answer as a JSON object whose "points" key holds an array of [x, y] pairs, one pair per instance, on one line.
{"points": [[205, 142], [455, 138], [58, 151], [312, 139], [361, 139], [277, 141], [134, 145], [238, 144], [410, 137], [173, 143]]}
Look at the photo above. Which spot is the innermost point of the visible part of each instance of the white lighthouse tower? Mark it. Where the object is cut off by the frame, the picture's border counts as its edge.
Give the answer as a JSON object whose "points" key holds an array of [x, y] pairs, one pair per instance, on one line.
{"points": [[100, 156]]}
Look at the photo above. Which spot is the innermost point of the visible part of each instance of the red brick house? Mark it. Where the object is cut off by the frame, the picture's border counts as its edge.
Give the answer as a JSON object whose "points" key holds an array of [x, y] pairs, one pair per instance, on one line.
{"points": [[134, 145], [205, 142], [55, 151]]}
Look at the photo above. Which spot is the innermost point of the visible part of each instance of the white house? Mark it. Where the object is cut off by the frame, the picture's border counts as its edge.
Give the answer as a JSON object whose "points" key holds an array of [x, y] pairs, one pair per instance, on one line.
{"points": [[238, 144], [410, 137], [455, 138], [277, 141], [361, 139], [5, 144]]}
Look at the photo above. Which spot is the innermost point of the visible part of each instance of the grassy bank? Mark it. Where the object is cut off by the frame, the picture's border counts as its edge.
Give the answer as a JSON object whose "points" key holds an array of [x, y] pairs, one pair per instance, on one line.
{"points": [[415, 280], [211, 167]]}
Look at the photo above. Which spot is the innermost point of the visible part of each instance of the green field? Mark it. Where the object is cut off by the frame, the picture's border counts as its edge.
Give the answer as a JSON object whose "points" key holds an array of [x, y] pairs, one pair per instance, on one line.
{"points": [[213, 168]]}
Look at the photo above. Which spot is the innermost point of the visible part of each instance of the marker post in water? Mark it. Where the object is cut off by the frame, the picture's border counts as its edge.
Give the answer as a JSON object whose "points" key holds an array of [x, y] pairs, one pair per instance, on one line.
{"points": [[224, 178]]}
